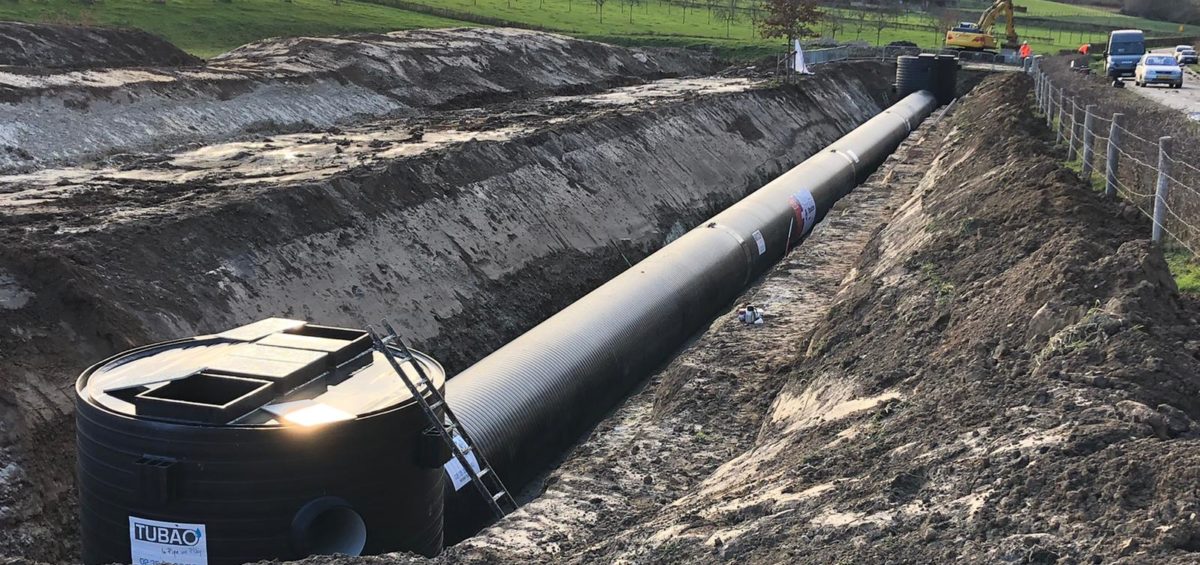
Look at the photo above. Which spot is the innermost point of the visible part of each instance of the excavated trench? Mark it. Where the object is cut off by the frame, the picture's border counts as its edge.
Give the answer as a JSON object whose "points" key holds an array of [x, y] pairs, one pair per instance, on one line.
{"points": [[465, 226]]}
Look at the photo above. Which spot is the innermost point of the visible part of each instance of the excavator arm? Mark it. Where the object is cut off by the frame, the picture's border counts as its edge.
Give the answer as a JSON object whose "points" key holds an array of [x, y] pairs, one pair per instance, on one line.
{"points": [[988, 20], [981, 36]]}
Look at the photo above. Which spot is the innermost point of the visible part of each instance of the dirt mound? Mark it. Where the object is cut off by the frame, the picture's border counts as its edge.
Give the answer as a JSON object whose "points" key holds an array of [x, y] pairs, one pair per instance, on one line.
{"points": [[468, 64], [302, 85], [1010, 376], [46, 46]]}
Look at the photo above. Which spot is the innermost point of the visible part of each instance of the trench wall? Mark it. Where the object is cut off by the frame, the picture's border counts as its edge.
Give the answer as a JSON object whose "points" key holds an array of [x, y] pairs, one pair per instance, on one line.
{"points": [[304, 83], [465, 248]]}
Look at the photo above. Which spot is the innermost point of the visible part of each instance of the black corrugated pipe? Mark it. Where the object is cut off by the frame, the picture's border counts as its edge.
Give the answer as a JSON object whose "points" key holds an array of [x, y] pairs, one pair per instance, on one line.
{"points": [[533, 398]]}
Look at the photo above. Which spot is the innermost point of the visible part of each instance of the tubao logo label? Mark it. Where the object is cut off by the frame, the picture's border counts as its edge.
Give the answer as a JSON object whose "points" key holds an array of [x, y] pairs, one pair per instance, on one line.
{"points": [[168, 535], [159, 543]]}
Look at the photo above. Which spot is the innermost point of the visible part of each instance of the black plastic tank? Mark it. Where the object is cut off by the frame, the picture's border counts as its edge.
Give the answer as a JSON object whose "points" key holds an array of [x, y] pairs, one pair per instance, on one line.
{"points": [[913, 74], [275, 440], [944, 83], [936, 73]]}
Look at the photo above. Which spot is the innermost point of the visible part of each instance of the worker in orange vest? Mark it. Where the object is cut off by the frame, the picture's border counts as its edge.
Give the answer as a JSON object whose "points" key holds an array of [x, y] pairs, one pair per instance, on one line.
{"points": [[1026, 51]]}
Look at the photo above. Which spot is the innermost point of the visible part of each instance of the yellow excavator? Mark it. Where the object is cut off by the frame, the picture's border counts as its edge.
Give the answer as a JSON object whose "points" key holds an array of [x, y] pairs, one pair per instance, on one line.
{"points": [[977, 36]]}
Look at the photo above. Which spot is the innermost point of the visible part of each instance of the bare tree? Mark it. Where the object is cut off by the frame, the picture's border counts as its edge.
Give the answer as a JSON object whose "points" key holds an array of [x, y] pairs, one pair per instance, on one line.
{"points": [[860, 16], [600, 8], [728, 12], [945, 20], [881, 19], [632, 4]]}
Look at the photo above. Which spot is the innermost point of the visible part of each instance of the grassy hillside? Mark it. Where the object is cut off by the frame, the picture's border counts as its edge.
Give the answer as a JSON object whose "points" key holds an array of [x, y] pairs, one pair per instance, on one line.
{"points": [[208, 27]]}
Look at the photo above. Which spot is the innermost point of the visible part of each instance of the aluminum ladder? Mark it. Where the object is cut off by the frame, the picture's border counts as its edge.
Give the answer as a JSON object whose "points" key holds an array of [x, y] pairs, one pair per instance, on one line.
{"points": [[486, 481]]}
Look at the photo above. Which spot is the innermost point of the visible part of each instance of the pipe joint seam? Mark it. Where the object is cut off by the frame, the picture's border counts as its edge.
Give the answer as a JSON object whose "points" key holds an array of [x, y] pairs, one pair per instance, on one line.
{"points": [[741, 242]]}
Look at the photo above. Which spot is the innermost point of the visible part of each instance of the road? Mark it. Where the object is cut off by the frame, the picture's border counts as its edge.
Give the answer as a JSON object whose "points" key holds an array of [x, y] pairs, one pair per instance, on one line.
{"points": [[1186, 99]]}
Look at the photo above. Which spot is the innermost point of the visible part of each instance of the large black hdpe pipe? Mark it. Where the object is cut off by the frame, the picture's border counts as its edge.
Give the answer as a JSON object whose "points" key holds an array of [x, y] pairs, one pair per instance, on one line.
{"points": [[531, 399]]}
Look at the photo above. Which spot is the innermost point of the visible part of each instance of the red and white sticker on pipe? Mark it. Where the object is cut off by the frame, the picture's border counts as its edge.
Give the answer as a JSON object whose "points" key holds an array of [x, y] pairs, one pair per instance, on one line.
{"points": [[805, 209]]}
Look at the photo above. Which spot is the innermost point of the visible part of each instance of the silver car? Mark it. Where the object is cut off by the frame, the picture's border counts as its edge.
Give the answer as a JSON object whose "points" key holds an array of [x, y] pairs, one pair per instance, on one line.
{"points": [[1158, 69]]}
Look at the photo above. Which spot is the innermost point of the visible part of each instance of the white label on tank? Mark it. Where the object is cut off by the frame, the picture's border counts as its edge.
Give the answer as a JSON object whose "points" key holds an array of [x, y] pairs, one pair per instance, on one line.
{"points": [[458, 473], [762, 244], [161, 543], [805, 209]]}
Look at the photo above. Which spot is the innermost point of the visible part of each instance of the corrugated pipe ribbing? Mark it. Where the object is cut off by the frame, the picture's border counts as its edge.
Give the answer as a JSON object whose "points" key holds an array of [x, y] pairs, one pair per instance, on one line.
{"points": [[532, 398]]}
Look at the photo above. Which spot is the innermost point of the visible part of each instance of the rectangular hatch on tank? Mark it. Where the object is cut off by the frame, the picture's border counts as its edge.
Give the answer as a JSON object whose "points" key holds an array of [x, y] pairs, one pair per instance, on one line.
{"points": [[341, 344], [287, 367], [204, 397]]}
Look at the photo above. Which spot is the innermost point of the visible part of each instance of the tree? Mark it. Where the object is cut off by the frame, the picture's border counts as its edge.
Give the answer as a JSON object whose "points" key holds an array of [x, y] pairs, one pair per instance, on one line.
{"points": [[835, 24], [790, 19], [632, 4], [945, 21], [729, 14], [600, 8], [860, 16], [882, 17]]}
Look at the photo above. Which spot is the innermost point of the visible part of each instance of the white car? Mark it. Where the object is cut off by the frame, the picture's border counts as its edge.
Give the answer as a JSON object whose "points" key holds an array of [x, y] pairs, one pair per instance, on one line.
{"points": [[1158, 69]]}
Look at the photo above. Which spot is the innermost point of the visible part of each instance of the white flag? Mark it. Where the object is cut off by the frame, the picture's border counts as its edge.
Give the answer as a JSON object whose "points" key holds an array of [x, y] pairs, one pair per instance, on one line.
{"points": [[799, 65]]}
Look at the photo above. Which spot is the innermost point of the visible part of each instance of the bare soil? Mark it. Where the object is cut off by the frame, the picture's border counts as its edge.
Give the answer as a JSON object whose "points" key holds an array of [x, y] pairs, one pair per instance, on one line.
{"points": [[49, 46], [302, 84], [1006, 374], [466, 225]]}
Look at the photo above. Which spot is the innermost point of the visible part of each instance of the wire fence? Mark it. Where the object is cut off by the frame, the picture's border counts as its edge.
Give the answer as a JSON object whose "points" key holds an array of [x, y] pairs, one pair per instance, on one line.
{"points": [[1150, 174]]}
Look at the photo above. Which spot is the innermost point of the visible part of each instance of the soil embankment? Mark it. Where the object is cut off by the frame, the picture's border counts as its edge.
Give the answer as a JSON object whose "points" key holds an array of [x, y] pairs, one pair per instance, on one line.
{"points": [[1007, 373], [465, 226], [48, 46], [1144, 122], [301, 84]]}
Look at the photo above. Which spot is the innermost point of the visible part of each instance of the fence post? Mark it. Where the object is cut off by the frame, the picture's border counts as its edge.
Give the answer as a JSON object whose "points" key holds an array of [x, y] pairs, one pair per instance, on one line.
{"points": [[1160, 195], [1049, 103], [1062, 118], [1072, 150], [1110, 163], [1037, 90], [1089, 139], [1048, 89]]}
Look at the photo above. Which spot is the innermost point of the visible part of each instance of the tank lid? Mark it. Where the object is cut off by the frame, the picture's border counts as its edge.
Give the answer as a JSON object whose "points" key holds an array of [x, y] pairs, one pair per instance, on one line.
{"points": [[270, 373]]}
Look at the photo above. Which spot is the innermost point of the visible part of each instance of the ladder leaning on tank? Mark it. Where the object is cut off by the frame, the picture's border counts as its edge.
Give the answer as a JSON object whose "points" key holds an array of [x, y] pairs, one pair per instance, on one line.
{"points": [[486, 481]]}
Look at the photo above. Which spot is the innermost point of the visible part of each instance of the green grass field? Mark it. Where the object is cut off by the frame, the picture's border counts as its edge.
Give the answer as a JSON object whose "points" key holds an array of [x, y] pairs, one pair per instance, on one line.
{"points": [[208, 27], [658, 22]]}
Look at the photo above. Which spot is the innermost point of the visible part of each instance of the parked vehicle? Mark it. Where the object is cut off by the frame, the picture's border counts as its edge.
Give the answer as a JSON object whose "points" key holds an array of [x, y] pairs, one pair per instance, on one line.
{"points": [[1158, 69], [1125, 49], [1187, 57]]}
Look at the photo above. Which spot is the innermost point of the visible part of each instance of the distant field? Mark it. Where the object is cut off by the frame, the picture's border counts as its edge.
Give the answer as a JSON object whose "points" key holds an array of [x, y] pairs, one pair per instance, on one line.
{"points": [[667, 23], [209, 27]]}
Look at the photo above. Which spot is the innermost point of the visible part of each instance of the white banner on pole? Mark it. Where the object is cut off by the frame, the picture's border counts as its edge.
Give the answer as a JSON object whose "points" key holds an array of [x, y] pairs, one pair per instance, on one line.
{"points": [[799, 65]]}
